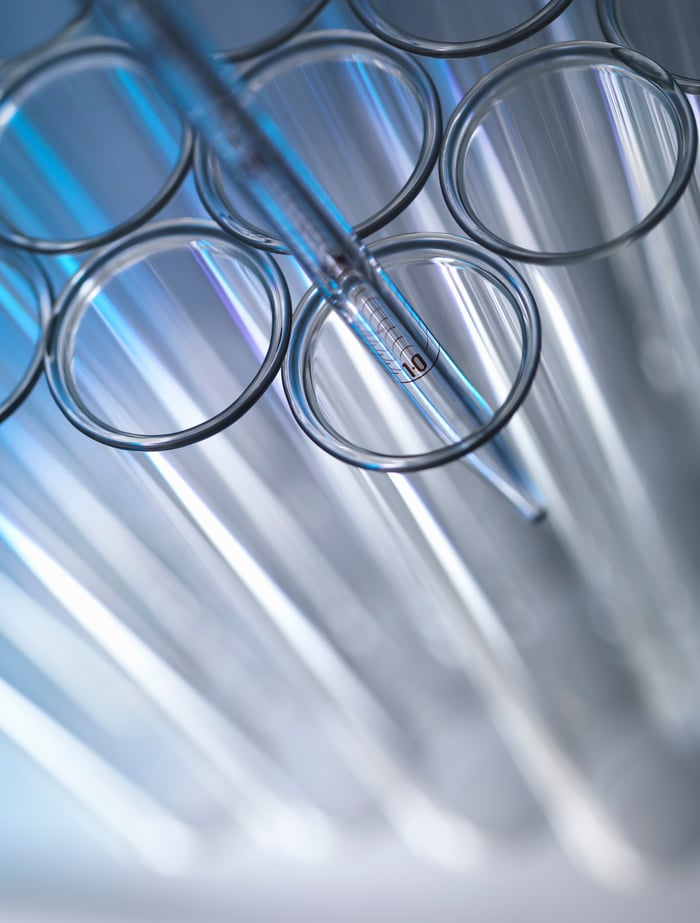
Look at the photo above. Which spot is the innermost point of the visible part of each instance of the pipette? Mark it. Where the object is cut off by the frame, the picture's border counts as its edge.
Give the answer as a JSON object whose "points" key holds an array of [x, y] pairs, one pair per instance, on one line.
{"points": [[215, 100]]}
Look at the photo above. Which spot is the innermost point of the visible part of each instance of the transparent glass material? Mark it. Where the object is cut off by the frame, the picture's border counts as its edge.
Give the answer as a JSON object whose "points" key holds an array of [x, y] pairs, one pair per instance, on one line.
{"points": [[237, 35], [473, 301], [668, 32], [610, 430], [605, 172], [25, 308], [455, 28], [61, 115], [167, 337], [30, 26], [382, 130]]}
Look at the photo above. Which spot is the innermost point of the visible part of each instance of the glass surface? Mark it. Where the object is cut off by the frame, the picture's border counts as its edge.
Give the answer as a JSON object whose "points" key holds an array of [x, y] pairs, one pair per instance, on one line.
{"points": [[276, 636]]}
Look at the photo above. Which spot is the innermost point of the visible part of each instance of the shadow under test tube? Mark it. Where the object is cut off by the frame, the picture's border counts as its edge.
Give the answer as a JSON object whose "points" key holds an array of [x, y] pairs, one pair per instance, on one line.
{"points": [[323, 242]]}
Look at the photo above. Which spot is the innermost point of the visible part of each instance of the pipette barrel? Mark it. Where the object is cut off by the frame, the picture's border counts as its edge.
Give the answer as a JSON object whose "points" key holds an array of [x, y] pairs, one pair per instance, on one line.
{"points": [[249, 146]]}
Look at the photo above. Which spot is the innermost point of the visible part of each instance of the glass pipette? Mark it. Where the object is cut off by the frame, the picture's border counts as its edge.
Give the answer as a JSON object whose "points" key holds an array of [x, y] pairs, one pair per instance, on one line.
{"points": [[214, 99]]}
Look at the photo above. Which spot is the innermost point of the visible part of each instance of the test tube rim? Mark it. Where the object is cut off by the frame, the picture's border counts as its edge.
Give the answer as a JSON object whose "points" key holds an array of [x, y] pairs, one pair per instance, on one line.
{"points": [[312, 311], [36, 68], [611, 24], [80, 17], [35, 274], [366, 12], [465, 117], [71, 306], [414, 77], [264, 45]]}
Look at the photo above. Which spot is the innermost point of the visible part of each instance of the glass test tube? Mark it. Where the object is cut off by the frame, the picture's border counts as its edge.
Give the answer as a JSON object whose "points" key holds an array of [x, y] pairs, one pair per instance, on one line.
{"points": [[613, 442], [373, 161], [61, 198], [519, 623]]}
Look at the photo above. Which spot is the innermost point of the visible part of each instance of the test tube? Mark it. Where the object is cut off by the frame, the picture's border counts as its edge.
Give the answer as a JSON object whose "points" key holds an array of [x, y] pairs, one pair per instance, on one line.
{"points": [[373, 161], [61, 199], [99, 314], [607, 429], [383, 446], [454, 76], [668, 253]]}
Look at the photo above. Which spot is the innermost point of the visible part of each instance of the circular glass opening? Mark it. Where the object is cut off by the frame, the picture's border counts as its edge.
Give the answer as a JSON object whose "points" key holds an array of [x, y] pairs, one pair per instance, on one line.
{"points": [[168, 337], [362, 117], [88, 148], [567, 152], [433, 406]]}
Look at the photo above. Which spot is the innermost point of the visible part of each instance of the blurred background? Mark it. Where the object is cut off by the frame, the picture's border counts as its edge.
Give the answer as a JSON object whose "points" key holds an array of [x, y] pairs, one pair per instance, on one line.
{"points": [[242, 678]]}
